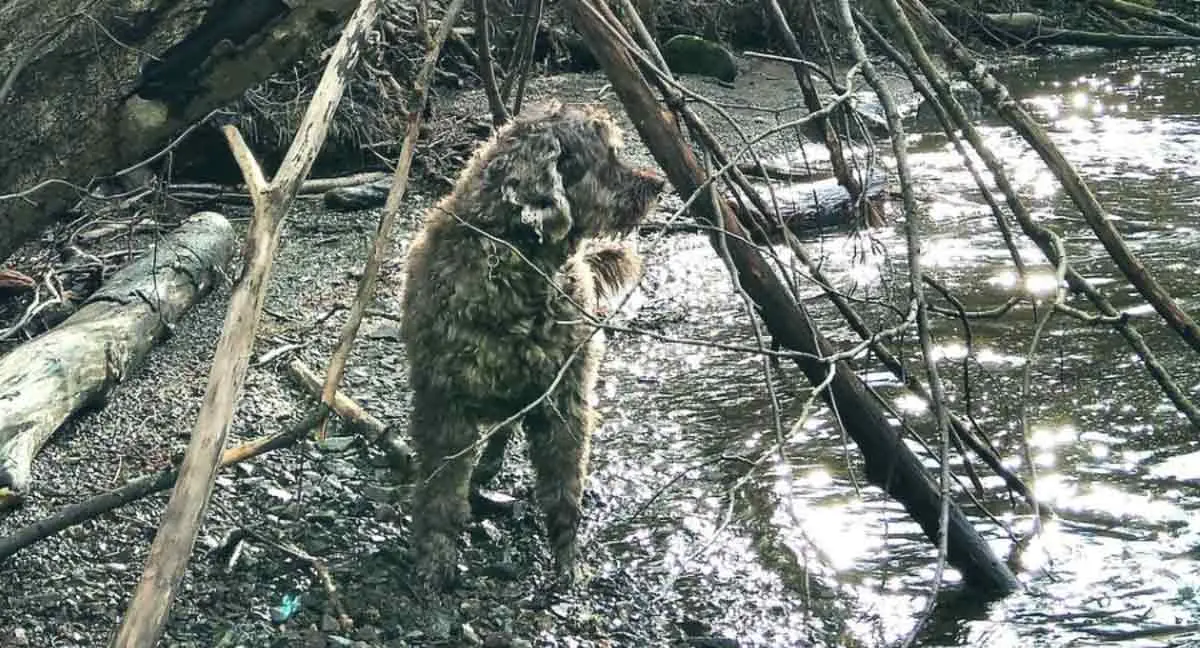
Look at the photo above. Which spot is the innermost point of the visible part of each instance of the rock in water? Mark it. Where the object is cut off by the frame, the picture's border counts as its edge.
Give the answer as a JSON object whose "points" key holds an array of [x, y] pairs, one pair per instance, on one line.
{"points": [[364, 196], [686, 54], [966, 95]]}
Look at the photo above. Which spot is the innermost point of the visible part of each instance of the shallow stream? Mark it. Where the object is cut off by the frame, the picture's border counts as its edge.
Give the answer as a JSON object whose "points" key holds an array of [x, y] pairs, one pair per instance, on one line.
{"points": [[804, 549]]}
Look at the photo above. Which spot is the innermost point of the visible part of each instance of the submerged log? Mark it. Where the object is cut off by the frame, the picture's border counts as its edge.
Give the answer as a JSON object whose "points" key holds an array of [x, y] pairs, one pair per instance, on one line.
{"points": [[889, 462], [807, 206], [48, 379], [86, 93], [802, 207]]}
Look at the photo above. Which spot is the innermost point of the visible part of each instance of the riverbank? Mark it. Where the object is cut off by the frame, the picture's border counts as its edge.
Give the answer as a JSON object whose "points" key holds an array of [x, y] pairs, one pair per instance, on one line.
{"points": [[343, 505]]}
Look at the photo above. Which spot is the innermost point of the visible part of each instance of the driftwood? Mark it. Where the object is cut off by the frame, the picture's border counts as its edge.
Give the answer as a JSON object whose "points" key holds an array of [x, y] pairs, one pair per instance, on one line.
{"points": [[807, 206], [1150, 15], [308, 187], [890, 464], [45, 381], [156, 589], [812, 100], [87, 91], [812, 162], [1032, 28]]}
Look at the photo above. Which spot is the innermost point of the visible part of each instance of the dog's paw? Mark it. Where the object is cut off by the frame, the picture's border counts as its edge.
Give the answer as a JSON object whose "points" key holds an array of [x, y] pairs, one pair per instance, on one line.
{"points": [[569, 577], [436, 565]]}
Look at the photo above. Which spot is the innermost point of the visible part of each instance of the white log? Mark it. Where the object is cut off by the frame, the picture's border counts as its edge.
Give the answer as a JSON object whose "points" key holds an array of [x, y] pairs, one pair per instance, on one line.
{"points": [[48, 379]]}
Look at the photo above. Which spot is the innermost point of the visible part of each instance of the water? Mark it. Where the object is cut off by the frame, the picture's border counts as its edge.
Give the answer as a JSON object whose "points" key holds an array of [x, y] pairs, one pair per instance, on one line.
{"points": [[774, 531]]}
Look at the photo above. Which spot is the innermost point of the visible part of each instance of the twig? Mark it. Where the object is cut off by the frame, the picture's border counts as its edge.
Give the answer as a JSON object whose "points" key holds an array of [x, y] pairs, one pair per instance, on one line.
{"points": [[319, 568], [399, 454], [486, 71], [98, 505], [912, 223], [527, 58], [391, 208]]}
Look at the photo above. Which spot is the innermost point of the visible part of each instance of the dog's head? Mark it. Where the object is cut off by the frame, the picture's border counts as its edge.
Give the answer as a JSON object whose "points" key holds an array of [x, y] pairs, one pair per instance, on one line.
{"points": [[557, 174]]}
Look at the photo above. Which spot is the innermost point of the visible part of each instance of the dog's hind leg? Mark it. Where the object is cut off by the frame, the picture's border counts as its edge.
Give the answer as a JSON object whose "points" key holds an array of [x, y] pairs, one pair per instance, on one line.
{"points": [[443, 436], [559, 436]]}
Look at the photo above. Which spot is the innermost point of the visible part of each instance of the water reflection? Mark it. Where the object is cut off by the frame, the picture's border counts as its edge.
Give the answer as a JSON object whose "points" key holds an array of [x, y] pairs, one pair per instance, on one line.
{"points": [[781, 519]]}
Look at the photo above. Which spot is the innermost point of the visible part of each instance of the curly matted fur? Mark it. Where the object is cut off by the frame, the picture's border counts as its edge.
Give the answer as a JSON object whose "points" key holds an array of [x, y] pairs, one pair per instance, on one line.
{"points": [[496, 281]]}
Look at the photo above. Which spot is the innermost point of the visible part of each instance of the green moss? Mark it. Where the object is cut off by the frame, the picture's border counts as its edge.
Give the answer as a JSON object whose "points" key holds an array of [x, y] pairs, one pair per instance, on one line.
{"points": [[686, 54]]}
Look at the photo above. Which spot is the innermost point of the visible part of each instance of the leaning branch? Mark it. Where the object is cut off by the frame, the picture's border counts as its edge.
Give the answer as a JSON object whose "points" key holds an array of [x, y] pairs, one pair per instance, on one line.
{"points": [[1089, 207], [889, 462], [172, 547]]}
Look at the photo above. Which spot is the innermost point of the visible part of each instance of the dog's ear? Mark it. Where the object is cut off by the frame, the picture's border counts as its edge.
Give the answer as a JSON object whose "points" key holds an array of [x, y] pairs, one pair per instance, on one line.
{"points": [[534, 187]]}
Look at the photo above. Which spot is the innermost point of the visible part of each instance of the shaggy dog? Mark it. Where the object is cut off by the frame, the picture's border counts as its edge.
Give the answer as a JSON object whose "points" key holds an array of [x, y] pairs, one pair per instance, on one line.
{"points": [[503, 283]]}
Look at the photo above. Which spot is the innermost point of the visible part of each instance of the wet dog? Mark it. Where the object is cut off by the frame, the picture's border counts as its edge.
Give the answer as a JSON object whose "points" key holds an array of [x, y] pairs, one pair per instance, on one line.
{"points": [[502, 286]]}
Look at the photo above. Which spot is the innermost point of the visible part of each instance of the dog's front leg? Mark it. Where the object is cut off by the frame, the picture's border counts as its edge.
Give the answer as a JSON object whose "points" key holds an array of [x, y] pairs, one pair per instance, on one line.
{"points": [[559, 435], [443, 435]]}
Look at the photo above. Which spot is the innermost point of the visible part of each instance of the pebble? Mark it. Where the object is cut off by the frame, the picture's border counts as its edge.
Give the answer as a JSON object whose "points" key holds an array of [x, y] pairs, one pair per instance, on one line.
{"points": [[17, 637], [329, 624], [504, 640], [377, 493], [470, 636], [342, 468], [367, 633]]}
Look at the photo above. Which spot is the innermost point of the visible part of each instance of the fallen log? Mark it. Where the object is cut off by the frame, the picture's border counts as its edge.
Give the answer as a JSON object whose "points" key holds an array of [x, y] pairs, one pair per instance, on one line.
{"points": [[48, 379], [802, 207], [88, 92], [804, 164], [1150, 15], [889, 462], [1032, 28], [808, 206]]}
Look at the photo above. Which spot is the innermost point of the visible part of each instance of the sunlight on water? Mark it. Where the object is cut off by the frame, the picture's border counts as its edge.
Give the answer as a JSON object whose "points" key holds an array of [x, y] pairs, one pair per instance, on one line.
{"points": [[911, 404], [1037, 283], [808, 544]]}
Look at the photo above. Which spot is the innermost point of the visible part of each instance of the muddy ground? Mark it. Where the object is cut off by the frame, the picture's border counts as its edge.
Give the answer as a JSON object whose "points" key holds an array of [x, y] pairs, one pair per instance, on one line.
{"points": [[341, 502]]}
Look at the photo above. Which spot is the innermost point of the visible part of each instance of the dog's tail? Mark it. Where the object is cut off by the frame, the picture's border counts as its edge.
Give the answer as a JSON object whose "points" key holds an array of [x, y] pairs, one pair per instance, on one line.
{"points": [[615, 266]]}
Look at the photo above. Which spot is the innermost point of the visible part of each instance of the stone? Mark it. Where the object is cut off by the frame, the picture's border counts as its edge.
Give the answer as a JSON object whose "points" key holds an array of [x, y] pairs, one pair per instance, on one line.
{"points": [[364, 196], [686, 54], [926, 118]]}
